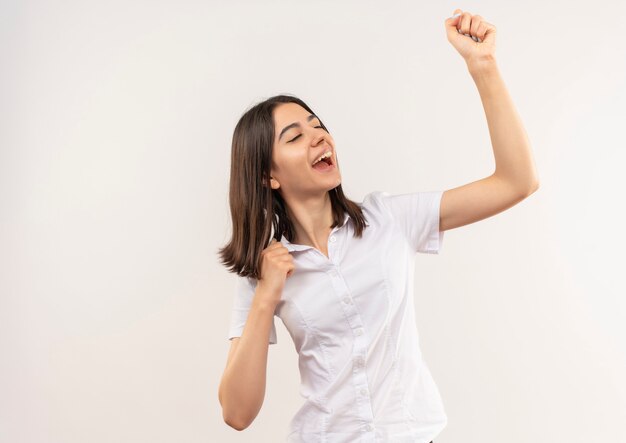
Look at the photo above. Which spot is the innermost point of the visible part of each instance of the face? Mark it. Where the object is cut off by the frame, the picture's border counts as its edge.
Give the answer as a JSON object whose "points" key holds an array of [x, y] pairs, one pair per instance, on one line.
{"points": [[296, 148]]}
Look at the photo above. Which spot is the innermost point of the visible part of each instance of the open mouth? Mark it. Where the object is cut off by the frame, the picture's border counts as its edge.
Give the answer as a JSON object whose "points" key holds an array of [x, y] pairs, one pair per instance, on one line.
{"points": [[327, 160], [324, 164]]}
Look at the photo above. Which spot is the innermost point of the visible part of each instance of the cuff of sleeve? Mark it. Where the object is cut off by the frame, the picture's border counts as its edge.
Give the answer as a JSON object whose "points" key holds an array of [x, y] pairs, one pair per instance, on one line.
{"points": [[435, 236], [237, 331], [273, 339]]}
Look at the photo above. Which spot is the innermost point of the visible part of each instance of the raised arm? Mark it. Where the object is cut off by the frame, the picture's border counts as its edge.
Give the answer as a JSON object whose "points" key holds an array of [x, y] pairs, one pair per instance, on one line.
{"points": [[515, 176], [242, 388]]}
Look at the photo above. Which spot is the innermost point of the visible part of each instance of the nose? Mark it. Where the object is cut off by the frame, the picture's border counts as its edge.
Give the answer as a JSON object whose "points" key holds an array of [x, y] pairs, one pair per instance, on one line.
{"points": [[319, 137]]}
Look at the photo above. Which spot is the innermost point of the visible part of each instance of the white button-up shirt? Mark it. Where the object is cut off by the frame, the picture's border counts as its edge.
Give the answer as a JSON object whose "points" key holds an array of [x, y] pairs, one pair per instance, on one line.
{"points": [[352, 320]]}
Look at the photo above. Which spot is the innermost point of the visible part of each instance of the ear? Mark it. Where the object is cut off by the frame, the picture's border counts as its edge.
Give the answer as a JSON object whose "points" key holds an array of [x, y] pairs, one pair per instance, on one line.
{"points": [[273, 183]]}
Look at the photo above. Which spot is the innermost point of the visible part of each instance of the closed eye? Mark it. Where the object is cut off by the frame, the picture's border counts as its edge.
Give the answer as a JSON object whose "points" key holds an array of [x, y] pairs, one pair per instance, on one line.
{"points": [[300, 135]]}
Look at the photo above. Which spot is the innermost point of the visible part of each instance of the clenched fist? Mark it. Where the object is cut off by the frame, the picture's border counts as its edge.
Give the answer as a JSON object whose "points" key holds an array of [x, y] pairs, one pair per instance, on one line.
{"points": [[276, 266], [471, 36]]}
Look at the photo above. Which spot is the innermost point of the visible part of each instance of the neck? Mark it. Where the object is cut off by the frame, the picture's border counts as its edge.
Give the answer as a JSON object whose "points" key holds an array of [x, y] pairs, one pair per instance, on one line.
{"points": [[312, 219]]}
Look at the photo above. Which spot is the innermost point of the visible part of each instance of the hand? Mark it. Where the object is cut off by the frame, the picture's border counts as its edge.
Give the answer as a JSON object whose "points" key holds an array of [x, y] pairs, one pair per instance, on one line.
{"points": [[276, 266], [471, 36]]}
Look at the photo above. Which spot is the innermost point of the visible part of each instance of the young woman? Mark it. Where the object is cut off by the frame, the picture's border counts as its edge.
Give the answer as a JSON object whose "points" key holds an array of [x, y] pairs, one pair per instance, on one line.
{"points": [[339, 274]]}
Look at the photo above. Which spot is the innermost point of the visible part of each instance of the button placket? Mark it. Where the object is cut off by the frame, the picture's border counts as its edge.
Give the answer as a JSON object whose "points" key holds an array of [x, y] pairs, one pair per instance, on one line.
{"points": [[359, 351], [336, 240]]}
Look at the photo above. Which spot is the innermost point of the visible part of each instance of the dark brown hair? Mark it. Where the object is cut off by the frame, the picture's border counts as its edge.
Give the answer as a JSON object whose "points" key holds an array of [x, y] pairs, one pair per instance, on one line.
{"points": [[256, 208]]}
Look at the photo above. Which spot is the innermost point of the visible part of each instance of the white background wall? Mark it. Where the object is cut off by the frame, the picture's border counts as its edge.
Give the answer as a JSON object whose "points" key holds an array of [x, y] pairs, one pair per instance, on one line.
{"points": [[116, 121]]}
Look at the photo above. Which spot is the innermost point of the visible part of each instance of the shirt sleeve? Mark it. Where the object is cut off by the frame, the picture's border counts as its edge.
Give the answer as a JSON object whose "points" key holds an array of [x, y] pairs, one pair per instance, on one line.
{"points": [[244, 293], [417, 216]]}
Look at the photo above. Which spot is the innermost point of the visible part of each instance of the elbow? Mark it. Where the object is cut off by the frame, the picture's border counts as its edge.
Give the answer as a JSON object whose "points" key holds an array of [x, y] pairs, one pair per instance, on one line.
{"points": [[234, 418], [238, 412], [530, 189], [534, 187], [231, 418], [235, 424]]}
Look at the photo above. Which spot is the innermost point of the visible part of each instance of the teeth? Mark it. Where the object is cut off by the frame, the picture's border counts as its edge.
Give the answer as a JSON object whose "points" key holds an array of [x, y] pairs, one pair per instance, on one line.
{"points": [[323, 156]]}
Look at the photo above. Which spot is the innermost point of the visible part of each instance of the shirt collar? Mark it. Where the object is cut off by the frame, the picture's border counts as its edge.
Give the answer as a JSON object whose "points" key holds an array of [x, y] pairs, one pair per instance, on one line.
{"points": [[296, 247]]}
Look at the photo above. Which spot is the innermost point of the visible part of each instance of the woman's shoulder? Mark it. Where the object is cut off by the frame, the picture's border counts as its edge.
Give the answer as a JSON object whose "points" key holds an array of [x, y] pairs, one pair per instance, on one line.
{"points": [[375, 200], [374, 205]]}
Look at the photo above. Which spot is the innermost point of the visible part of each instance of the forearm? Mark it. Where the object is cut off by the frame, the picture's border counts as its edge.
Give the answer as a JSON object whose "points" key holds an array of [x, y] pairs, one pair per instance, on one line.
{"points": [[242, 388], [511, 146]]}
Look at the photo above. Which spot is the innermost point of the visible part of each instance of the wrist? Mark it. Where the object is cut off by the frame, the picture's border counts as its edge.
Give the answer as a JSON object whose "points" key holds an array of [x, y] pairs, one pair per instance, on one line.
{"points": [[263, 304], [266, 298], [482, 65]]}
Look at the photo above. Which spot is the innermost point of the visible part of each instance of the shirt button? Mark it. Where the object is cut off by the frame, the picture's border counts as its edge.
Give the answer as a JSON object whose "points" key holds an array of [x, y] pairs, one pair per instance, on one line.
{"points": [[363, 391], [369, 427], [333, 238], [358, 361], [346, 300], [359, 331]]}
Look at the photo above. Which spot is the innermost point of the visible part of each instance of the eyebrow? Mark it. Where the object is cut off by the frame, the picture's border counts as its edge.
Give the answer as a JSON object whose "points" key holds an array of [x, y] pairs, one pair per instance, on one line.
{"points": [[294, 125]]}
